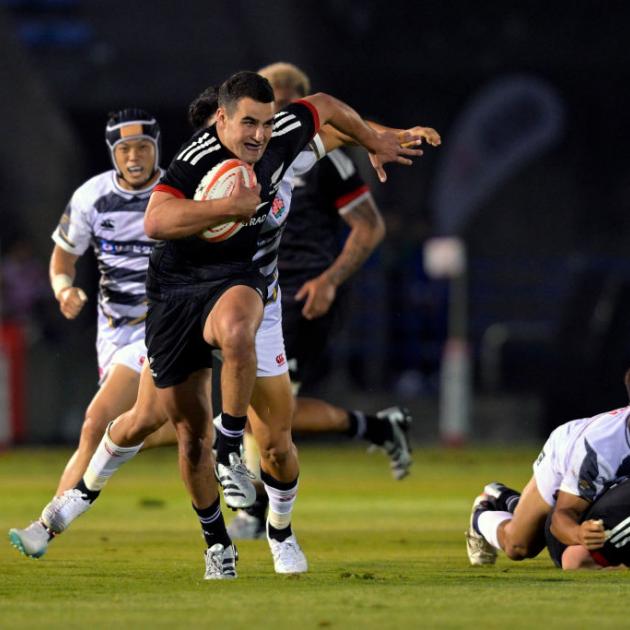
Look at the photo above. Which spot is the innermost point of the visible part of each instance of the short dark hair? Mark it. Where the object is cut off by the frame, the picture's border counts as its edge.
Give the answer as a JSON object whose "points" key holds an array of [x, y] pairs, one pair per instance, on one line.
{"points": [[244, 84], [203, 107]]}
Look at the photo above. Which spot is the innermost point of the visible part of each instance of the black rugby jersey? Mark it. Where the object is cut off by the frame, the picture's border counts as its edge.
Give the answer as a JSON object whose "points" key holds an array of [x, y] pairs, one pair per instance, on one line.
{"points": [[191, 261], [310, 242]]}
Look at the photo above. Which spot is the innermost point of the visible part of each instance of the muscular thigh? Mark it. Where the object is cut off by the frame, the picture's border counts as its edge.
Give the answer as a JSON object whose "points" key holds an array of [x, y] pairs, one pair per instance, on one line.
{"points": [[188, 403]]}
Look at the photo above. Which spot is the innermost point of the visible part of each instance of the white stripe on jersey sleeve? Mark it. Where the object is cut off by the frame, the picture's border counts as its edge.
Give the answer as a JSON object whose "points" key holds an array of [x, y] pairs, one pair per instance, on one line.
{"points": [[186, 156], [283, 121], [284, 130], [198, 142], [204, 153], [343, 164]]}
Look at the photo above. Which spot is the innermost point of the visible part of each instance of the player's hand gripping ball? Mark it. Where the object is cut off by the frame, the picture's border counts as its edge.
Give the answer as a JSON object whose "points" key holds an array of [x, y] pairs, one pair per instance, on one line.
{"points": [[218, 183]]}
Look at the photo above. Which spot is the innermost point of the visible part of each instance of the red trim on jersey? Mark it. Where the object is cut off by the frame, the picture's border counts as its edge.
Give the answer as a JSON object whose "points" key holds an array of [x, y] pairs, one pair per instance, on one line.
{"points": [[176, 192], [313, 111], [349, 197]]}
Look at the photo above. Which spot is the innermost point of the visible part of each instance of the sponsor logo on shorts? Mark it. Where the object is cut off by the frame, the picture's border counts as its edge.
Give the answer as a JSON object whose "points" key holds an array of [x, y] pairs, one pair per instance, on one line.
{"points": [[141, 360], [280, 359]]}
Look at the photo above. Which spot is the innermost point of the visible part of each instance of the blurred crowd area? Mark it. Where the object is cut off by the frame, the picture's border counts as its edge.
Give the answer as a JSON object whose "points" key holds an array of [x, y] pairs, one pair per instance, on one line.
{"points": [[532, 177]]}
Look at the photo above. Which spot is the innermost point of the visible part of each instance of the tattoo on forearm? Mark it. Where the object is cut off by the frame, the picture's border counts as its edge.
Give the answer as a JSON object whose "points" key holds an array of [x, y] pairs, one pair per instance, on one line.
{"points": [[366, 213], [351, 258], [360, 244]]}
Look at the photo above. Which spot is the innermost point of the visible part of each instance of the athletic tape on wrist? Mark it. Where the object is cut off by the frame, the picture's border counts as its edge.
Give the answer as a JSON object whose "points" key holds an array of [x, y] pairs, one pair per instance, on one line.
{"points": [[60, 282]]}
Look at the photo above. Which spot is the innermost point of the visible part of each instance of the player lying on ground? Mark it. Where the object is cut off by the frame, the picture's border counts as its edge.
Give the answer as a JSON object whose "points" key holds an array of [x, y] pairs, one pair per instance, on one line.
{"points": [[560, 507], [245, 130]]}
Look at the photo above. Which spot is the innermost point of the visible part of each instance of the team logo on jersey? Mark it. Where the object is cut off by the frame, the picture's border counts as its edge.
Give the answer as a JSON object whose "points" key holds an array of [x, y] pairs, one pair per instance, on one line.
{"points": [[277, 208], [280, 360]]}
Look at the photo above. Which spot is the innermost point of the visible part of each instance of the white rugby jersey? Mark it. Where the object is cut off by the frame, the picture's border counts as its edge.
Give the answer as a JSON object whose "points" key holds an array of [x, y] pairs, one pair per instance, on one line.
{"points": [[103, 214], [266, 256], [590, 452]]}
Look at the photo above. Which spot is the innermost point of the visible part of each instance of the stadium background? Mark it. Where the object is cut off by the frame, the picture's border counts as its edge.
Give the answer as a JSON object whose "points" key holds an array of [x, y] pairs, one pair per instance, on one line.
{"points": [[548, 273]]}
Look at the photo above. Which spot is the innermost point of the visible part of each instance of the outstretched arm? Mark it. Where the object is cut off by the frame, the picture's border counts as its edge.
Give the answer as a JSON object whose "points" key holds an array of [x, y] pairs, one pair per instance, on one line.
{"points": [[383, 146], [332, 138]]}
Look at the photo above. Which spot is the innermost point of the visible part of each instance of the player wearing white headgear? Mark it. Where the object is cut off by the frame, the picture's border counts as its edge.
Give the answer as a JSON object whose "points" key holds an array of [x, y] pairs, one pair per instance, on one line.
{"points": [[107, 212]]}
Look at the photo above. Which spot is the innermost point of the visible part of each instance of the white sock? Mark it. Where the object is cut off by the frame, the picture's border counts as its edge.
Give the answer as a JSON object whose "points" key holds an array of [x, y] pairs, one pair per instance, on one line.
{"points": [[252, 454], [107, 459], [488, 524], [280, 505]]}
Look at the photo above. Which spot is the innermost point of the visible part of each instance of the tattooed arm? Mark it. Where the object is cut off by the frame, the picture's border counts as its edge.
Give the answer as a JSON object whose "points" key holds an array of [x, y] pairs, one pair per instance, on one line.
{"points": [[367, 230]]}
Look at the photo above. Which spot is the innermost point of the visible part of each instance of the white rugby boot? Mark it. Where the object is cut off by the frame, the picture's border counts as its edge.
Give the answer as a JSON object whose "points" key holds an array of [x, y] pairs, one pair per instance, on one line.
{"points": [[398, 448], [480, 551], [236, 480], [64, 509], [32, 541], [288, 556], [244, 526], [220, 562]]}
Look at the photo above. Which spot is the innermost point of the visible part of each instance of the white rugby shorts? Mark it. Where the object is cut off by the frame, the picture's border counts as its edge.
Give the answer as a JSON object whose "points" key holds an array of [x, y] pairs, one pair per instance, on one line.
{"points": [[110, 341], [272, 359]]}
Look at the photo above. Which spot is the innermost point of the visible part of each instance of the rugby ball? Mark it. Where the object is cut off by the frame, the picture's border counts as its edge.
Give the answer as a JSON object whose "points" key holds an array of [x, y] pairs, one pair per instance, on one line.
{"points": [[218, 183]]}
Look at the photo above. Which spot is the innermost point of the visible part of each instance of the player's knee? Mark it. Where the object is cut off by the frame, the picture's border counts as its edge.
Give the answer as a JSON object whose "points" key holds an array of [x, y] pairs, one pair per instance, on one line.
{"points": [[279, 453], [519, 551], [93, 429], [191, 447], [136, 425], [238, 344]]}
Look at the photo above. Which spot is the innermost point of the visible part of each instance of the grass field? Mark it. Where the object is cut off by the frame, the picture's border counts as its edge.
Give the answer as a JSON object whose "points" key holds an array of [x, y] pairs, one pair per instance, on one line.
{"points": [[383, 554]]}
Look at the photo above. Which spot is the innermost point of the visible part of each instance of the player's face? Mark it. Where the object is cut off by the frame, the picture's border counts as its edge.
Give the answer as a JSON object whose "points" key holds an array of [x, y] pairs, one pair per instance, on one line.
{"points": [[135, 160], [246, 131]]}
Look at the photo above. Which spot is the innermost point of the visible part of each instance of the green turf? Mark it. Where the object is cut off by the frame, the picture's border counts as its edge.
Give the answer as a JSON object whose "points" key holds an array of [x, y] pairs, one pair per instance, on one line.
{"points": [[383, 554]]}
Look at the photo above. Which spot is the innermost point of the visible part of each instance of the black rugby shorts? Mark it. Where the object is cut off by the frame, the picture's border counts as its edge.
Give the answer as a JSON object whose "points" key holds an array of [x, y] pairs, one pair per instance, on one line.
{"points": [[174, 330]]}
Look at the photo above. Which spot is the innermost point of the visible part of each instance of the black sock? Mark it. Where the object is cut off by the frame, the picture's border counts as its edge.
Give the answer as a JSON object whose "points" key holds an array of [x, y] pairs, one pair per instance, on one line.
{"points": [[259, 508], [279, 534], [213, 525], [92, 495], [507, 500], [229, 437], [377, 430]]}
